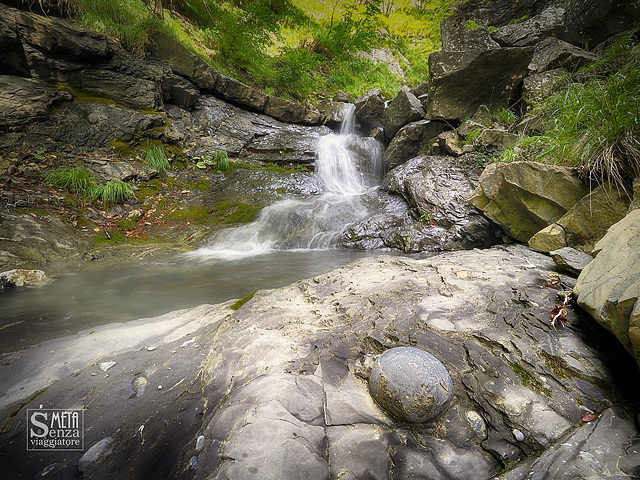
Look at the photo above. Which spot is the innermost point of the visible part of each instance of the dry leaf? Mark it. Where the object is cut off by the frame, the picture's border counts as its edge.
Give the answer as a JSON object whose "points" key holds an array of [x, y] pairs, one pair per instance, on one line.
{"points": [[463, 274], [589, 417]]}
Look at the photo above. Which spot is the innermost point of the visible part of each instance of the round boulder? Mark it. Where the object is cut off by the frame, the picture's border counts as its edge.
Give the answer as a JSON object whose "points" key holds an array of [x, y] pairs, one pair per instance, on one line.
{"points": [[411, 384]]}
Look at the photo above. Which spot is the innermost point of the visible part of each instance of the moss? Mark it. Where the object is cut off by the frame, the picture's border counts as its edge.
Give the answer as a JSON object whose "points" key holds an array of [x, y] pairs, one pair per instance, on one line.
{"points": [[36, 211], [236, 212], [191, 214], [124, 149], [559, 366], [529, 380], [113, 237], [127, 223], [202, 185], [242, 301], [149, 189]]}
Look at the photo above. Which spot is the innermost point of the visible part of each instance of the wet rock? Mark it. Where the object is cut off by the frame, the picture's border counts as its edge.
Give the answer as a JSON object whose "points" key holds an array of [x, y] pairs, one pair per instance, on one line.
{"points": [[609, 286], [552, 53], [95, 454], [456, 36], [290, 112], [525, 197], [403, 109], [26, 100], [333, 112], [411, 384], [570, 259], [410, 141], [449, 142], [369, 109], [462, 81], [19, 277]]}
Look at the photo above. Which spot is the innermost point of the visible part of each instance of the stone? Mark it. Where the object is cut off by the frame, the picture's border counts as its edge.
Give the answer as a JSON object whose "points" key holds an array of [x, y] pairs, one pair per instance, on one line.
{"points": [[290, 112], [538, 86], [26, 100], [528, 33], [369, 109], [333, 112], [525, 197], [411, 140], [571, 260], [450, 143], [495, 140], [95, 454], [609, 286], [403, 109], [586, 222], [343, 97], [411, 384], [462, 81], [456, 36], [19, 277], [384, 55], [552, 53]]}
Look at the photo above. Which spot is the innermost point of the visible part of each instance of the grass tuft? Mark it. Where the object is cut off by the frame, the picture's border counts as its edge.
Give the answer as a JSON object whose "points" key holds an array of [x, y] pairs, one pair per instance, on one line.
{"points": [[157, 159], [73, 179], [113, 192]]}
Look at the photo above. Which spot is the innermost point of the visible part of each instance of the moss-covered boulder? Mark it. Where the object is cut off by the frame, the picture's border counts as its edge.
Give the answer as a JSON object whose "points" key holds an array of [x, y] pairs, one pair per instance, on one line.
{"points": [[525, 197], [608, 288]]}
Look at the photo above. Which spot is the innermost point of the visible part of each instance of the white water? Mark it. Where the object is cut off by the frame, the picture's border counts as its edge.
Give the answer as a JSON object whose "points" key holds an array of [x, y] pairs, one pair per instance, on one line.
{"points": [[348, 168]]}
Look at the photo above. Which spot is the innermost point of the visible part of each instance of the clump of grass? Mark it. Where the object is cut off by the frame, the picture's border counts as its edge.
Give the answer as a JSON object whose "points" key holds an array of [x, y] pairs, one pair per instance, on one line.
{"points": [[593, 121], [157, 159], [505, 116], [113, 192], [73, 179]]}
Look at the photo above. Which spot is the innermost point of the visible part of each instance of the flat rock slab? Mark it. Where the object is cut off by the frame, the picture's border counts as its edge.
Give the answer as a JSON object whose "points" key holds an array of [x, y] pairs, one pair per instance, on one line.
{"points": [[281, 390]]}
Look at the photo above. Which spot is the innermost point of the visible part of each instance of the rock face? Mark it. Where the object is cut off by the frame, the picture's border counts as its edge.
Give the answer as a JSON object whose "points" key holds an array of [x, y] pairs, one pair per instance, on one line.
{"points": [[369, 109], [403, 109], [525, 197], [282, 391], [410, 141], [609, 286], [411, 384], [19, 277], [553, 53], [586, 222], [462, 81]]}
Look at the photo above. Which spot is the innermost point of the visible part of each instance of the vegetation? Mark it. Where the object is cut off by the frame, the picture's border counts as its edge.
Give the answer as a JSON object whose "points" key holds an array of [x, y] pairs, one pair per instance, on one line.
{"points": [[592, 119], [77, 180], [219, 160], [242, 301], [113, 192], [157, 159], [292, 48]]}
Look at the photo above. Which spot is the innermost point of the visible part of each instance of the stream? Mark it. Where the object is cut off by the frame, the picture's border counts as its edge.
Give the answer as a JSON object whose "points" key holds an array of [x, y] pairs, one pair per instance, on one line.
{"points": [[292, 239]]}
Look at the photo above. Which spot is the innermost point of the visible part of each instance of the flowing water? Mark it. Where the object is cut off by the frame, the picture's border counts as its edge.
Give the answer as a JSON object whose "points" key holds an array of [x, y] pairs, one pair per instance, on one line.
{"points": [[292, 239]]}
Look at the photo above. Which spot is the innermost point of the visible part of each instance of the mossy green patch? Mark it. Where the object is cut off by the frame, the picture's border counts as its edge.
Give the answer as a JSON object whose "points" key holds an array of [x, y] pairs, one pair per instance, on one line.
{"points": [[192, 214], [529, 380], [236, 212], [242, 301], [559, 366]]}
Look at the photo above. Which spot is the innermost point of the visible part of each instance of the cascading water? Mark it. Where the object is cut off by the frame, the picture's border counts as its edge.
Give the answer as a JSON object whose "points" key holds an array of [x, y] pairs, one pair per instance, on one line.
{"points": [[348, 168]]}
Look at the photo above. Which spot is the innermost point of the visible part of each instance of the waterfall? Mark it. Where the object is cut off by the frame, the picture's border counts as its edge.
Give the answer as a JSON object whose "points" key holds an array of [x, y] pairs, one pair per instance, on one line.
{"points": [[348, 167]]}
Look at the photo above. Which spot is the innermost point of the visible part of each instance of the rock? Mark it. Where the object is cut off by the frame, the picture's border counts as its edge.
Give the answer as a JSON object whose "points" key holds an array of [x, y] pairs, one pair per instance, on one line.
{"points": [[553, 53], [290, 112], [449, 142], [609, 286], [411, 140], [538, 86], [124, 171], [179, 91], [421, 92], [26, 100], [343, 97], [403, 109], [140, 386], [238, 93], [462, 81], [570, 259], [369, 109], [437, 188], [495, 140], [411, 384], [586, 222], [528, 33], [456, 36], [95, 454], [20, 277], [384, 55], [333, 112], [525, 197]]}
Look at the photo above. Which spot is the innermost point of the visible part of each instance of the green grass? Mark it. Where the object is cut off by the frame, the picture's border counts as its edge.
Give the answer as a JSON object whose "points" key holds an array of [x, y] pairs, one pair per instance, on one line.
{"points": [[113, 192], [592, 121], [74, 179], [157, 159]]}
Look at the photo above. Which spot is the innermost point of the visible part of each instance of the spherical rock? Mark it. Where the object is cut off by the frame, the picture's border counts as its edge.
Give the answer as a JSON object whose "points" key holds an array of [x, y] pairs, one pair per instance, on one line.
{"points": [[411, 384]]}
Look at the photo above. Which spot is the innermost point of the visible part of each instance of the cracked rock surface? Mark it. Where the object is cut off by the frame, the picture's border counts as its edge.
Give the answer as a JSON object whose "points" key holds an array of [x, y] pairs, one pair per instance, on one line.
{"points": [[278, 389]]}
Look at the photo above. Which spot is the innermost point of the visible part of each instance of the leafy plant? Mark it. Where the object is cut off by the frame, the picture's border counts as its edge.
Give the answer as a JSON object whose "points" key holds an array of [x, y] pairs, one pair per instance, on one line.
{"points": [[505, 116], [218, 160], [157, 159]]}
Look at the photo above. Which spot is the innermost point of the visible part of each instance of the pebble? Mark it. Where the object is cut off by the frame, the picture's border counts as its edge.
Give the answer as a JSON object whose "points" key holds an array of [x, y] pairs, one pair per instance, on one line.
{"points": [[159, 387], [519, 436], [151, 349], [200, 442], [95, 453], [104, 366]]}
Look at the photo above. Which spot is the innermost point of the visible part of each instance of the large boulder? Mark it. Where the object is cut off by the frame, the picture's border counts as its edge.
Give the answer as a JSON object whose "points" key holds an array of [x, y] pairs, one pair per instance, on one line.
{"points": [[369, 109], [525, 197], [437, 190], [462, 81], [586, 222], [410, 141], [403, 109], [552, 53], [529, 32], [457, 37], [608, 287]]}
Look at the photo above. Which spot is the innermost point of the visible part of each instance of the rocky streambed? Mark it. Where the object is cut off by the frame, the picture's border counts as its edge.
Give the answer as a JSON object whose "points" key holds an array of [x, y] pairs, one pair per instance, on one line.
{"points": [[279, 387]]}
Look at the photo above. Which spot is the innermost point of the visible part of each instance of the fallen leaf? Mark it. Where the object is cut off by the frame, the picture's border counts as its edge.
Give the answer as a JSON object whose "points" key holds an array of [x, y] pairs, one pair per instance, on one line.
{"points": [[463, 274], [589, 417]]}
